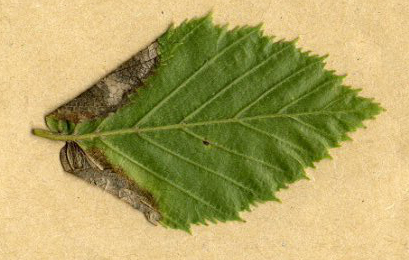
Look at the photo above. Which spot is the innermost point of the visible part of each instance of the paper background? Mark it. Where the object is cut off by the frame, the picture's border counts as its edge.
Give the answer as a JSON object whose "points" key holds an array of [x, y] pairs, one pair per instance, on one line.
{"points": [[355, 206]]}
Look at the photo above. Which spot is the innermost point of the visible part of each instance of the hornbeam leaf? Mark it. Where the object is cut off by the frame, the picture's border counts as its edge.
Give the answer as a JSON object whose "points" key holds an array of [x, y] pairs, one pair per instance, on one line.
{"points": [[205, 122]]}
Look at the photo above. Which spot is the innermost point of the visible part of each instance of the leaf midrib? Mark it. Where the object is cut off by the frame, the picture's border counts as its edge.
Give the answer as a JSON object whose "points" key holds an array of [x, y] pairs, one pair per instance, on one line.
{"points": [[133, 130]]}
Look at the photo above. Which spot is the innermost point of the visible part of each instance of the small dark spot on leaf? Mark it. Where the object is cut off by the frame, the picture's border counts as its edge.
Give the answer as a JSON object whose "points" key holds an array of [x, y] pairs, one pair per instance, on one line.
{"points": [[363, 200], [161, 12], [206, 142]]}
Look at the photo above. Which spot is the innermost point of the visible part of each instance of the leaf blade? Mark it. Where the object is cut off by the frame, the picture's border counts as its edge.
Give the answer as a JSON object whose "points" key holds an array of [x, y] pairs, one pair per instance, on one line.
{"points": [[227, 119]]}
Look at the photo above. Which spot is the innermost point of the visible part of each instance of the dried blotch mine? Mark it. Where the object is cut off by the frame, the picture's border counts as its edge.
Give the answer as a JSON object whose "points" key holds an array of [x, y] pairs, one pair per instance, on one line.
{"points": [[111, 92], [104, 97]]}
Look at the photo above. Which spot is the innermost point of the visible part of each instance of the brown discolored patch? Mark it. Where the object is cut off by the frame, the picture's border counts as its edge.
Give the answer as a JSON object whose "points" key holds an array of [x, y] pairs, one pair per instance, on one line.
{"points": [[104, 97], [93, 167], [112, 91], [100, 158]]}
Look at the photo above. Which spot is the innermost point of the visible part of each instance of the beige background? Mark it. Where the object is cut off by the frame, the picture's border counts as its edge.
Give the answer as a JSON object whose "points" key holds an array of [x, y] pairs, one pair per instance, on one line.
{"points": [[356, 206]]}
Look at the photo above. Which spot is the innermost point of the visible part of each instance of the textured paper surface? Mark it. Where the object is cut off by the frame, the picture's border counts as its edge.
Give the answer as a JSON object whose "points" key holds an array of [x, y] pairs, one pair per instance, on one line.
{"points": [[355, 206]]}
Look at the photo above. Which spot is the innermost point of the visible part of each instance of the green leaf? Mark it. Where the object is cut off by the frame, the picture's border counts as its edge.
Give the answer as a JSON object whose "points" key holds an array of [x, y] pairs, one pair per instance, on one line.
{"points": [[227, 119]]}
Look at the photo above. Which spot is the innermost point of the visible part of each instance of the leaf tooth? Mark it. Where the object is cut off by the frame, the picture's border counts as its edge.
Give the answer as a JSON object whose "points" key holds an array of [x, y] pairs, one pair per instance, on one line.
{"points": [[333, 73], [223, 27], [304, 52], [238, 218], [282, 41], [259, 27], [237, 28], [295, 40], [323, 57], [209, 14]]}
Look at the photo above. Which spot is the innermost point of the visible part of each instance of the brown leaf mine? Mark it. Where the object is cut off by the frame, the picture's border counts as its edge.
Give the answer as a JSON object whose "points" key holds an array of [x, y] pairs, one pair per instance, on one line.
{"points": [[111, 92], [104, 97]]}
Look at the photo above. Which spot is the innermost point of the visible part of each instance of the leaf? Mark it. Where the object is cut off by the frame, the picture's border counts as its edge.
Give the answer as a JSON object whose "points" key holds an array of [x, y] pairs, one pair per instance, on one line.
{"points": [[226, 119]]}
